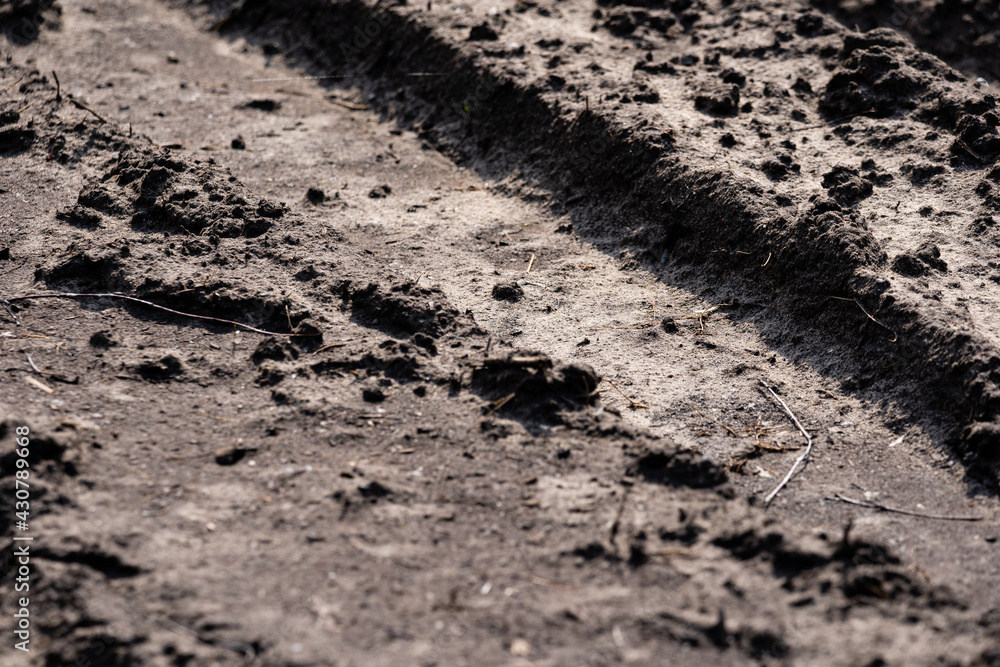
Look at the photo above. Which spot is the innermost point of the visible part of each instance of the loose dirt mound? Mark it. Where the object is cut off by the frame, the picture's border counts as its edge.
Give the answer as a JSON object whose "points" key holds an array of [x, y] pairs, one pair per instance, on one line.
{"points": [[963, 32]]}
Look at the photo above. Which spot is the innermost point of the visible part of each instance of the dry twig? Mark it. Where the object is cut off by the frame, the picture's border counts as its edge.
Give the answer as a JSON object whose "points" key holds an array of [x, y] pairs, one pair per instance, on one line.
{"points": [[896, 510], [95, 295], [858, 304], [83, 107], [802, 457], [499, 403], [713, 419], [348, 105], [631, 403]]}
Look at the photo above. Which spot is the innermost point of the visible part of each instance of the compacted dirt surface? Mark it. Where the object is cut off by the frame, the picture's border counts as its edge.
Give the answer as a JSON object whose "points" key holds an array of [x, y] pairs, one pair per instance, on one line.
{"points": [[474, 333]]}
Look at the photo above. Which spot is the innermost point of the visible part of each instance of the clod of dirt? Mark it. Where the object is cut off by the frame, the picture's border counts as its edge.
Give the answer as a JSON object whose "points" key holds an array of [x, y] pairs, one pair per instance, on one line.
{"points": [[920, 174], [157, 191], [373, 395], [85, 269], [315, 196], [778, 170], [266, 105], [426, 342], [228, 456], [977, 134], [483, 32], [676, 468], [532, 389], [404, 307], [919, 262], [374, 490], [508, 291], [846, 185], [880, 74], [719, 102], [983, 438], [812, 24], [380, 192], [308, 273], [60, 445], [164, 369], [16, 140], [238, 144], [274, 349], [22, 20], [104, 340]]}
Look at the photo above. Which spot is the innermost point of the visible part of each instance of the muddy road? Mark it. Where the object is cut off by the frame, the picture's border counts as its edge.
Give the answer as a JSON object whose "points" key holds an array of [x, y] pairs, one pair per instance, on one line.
{"points": [[460, 332]]}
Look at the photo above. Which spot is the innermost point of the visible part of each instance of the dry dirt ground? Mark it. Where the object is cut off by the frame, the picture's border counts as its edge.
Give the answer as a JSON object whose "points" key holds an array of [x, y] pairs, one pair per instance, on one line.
{"points": [[498, 293]]}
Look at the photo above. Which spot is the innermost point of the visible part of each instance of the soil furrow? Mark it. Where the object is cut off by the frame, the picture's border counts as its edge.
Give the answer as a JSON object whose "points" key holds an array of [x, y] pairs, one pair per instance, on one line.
{"points": [[820, 198]]}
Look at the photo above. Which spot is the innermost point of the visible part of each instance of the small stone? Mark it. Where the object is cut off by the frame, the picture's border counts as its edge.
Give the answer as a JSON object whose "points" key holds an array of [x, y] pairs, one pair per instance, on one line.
{"points": [[315, 196], [520, 648], [239, 144]]}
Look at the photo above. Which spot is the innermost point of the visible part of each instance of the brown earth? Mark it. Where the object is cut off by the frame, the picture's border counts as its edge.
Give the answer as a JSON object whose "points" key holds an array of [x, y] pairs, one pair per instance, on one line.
{"points": [[487, 211]]}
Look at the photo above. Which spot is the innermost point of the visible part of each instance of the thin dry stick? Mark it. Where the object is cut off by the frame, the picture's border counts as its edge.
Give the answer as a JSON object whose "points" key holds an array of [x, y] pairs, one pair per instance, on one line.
{"points": [[33, 366], [858, 304], [923, 515], [83, 107], [802, 457], [5, 90], [710, 417], [10, 312], [631, 326], [299, 78], [631, 403], [95, 295], [531, 263], [329, 347], [349, 105], [499, 403]]}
